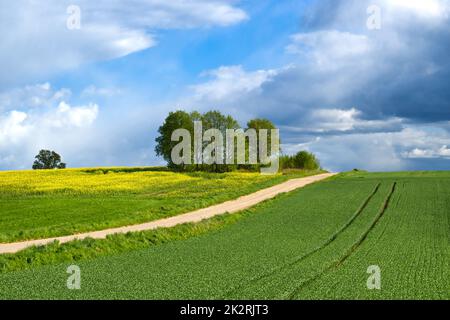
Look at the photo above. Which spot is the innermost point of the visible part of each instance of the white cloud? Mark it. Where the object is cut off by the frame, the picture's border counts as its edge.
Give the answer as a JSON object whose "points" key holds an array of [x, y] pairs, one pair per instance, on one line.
{"points": [[41, 120], [36, 41], [228, 81], [327, 48], [428, 8], [12, 128], [67, 116], [162, 14], [374, 152], [32, 96], [342, 120], [336, 119], [18, 126], [442, 152]]}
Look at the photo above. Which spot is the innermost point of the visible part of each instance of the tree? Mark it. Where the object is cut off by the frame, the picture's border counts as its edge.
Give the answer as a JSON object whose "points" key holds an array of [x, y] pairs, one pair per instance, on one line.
{"points": [[216, 120], [258, 124], [305, 160], [302, 160], [175, 120], [47, 159], [183, 120]]}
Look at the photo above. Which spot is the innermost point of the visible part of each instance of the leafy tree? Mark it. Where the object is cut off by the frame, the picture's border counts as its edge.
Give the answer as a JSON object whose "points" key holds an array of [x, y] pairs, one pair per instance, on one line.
{"points": [[302, 160], [286, 162], [164, 144], [258, 124], [184, 120], [47, 159], [210, 120], [216, 120], [306, 160]]}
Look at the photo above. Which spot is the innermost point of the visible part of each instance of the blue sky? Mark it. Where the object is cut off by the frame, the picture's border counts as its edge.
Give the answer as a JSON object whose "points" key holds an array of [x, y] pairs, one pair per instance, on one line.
{"points": [[372, 99]]}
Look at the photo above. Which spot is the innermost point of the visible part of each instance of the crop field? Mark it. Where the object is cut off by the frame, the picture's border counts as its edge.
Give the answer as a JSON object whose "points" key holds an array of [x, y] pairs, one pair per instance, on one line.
{"points": [[313, 243], [40, 204]]}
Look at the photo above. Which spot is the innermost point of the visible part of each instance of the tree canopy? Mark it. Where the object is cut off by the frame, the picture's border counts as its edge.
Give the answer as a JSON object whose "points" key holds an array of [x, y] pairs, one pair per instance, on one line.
{"points": [[210, 120], [301, 160], [47, 159], [175, 120]]}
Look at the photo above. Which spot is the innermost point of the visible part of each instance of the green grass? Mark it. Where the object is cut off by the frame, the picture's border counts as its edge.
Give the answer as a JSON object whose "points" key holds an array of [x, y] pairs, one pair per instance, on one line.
{"points": [[410, 243], [51, 203], [86, 249], [316, 242]]}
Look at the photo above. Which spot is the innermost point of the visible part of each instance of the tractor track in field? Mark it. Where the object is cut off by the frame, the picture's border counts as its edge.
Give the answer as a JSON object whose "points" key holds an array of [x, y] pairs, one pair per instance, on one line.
{"points": [[315, 250], [353, 248]]}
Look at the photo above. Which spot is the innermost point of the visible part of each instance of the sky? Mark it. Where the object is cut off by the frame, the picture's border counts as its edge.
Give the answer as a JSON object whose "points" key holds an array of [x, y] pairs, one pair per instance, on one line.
{"points": [[362, 84]]}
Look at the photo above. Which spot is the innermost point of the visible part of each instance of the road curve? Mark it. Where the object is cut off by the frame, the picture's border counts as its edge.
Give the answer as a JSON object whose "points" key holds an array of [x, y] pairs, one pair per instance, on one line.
{"points": [[232, 206]]}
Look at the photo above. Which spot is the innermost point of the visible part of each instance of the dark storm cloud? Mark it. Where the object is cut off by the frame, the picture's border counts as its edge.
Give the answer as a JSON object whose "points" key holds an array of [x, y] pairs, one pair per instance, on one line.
{"points": [[405, 73]]}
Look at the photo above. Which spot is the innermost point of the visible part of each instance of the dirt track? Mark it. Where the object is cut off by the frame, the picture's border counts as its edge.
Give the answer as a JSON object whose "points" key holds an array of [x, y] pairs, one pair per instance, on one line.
{"points": [[239, 204]]}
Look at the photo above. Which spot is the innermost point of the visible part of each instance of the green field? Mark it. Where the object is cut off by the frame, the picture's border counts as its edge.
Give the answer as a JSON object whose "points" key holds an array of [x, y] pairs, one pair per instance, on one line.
{"points": [[313, 243], [42, 204]]}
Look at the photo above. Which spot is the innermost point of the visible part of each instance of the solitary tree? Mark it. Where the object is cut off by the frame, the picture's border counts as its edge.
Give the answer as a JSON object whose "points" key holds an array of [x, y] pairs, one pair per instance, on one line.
{"points": [[47, 159]]}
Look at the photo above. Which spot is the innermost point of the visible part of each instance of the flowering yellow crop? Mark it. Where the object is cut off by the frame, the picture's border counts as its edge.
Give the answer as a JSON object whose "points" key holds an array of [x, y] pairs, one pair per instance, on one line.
{"points": [[92, 181]]}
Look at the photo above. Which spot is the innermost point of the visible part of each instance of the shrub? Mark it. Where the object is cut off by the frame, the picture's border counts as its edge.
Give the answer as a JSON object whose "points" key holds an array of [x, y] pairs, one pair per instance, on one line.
{"points": [[301, 160]]}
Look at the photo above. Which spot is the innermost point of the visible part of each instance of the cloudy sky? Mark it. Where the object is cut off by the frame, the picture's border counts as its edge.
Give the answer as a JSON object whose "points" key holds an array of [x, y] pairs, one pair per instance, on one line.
{"points": [[363, 84]]}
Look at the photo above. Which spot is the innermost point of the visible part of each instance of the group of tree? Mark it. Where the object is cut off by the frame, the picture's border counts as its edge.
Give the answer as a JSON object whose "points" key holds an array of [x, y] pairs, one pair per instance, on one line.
{"points": [[210, 120], [217, 120], [47, 159]]}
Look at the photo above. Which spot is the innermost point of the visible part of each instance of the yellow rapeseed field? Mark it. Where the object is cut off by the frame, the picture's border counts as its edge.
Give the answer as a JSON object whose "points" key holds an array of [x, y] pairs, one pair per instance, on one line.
{"points": [[113, 180]]}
